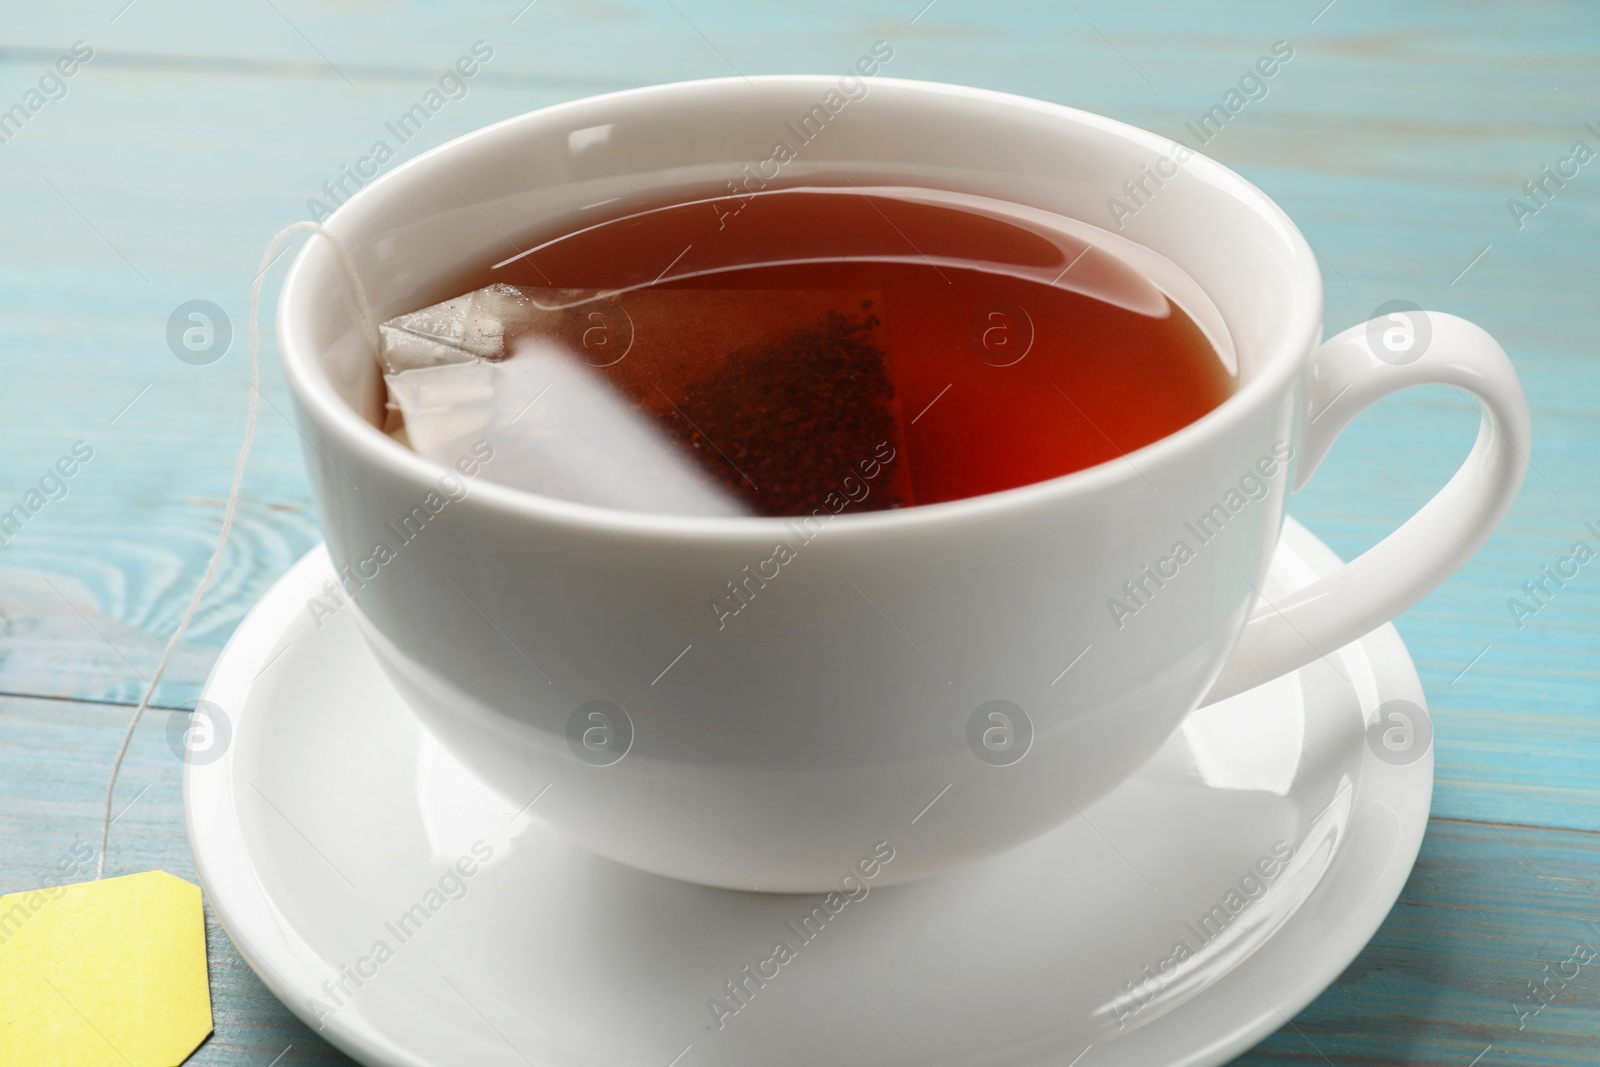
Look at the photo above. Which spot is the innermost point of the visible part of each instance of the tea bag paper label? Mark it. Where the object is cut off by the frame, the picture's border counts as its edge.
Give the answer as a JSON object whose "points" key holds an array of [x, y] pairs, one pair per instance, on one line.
{"points": [[103, 974]]}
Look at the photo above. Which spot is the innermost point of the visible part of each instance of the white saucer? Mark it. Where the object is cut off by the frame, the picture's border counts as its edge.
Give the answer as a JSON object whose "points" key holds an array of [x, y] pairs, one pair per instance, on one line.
{"points": [[331, 813]]}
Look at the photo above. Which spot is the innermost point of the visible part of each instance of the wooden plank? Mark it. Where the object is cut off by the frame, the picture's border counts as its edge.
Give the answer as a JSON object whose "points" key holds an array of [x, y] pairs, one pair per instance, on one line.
{"points": [[81, 335], [181, 217], [1483, 912], [1447, 978]]}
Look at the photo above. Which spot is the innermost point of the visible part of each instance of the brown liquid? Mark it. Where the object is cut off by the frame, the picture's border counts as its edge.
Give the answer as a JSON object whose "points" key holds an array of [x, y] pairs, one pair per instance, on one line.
{"points": [[796, 338]]}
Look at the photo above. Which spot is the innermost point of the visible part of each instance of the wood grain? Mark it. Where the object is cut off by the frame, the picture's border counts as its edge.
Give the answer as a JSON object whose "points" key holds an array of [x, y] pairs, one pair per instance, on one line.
{"points": [[1394, 138]]}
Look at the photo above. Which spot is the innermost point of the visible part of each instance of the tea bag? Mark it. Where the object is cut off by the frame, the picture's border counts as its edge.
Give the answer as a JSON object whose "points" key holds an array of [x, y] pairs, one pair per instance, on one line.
{"points": [[670, 401], [469, 327], [555, 428]]}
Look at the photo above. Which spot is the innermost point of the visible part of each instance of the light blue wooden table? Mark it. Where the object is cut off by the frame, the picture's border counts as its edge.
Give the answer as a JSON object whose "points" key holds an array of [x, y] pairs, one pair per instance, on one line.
{"points": [[1394, 137]]}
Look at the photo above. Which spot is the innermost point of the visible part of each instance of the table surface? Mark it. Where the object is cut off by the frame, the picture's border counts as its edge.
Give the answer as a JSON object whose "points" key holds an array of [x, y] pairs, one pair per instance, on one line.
{"points": [[1394, 137]]}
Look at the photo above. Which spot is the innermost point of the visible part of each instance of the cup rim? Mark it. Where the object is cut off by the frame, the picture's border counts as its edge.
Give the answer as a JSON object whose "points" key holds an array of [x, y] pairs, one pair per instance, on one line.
{"points": [[314, 389]]}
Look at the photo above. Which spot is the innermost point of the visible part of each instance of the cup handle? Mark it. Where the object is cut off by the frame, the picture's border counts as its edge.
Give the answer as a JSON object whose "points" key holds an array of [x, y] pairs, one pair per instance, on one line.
{"points": [[1350, 372]]}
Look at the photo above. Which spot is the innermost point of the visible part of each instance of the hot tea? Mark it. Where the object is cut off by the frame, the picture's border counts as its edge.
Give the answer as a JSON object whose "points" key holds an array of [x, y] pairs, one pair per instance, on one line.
{"points": [[844, 347]]}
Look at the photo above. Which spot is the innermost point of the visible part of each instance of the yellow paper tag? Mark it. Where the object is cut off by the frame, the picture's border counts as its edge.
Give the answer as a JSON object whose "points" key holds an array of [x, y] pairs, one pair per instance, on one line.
{"points": [[103, 974]]}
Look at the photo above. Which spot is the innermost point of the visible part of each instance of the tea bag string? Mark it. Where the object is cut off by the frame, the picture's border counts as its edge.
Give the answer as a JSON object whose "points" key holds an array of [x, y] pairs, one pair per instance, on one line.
{"points": [[369, 325]]}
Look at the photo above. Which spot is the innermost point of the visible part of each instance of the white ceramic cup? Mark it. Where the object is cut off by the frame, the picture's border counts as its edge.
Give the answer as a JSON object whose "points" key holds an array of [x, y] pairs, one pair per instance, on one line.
{"points": [[936, 683]]}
